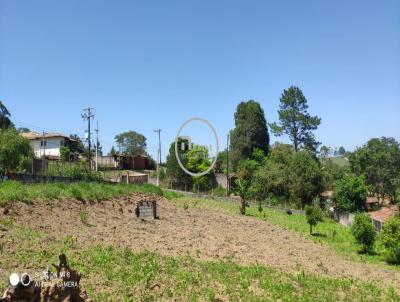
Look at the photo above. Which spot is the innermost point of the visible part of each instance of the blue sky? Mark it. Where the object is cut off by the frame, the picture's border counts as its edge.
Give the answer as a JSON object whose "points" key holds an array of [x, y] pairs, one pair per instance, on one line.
{"points": [[153, 64]]}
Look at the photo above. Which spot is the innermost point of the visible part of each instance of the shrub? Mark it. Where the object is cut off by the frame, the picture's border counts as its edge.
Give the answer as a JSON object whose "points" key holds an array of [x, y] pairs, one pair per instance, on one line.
{"points": [[11, 191], [364, 232], [65, 153], [313, 215], [391, 239], [219, 191]]}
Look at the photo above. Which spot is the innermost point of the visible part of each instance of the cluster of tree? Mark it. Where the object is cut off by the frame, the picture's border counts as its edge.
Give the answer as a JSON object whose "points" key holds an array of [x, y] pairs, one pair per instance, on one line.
{"points": [[15, 152], [282, 176], [379, 162], [283, 172], [132, 143], [374, 170], [325, 151]]}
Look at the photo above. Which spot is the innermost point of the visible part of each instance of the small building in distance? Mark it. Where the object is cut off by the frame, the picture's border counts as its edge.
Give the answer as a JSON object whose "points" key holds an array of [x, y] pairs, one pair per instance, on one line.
{"points": [[380, 216], [372, 203], [47, 145], [123, 162]]}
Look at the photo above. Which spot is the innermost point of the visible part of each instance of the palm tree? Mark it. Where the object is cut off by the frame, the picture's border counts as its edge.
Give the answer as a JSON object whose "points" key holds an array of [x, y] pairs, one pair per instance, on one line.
{"points": [[5, 115]]}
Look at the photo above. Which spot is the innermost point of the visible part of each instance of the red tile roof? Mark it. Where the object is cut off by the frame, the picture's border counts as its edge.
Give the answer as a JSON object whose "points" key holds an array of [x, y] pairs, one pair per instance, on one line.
{"points": [[384, 213], [372, 199]]}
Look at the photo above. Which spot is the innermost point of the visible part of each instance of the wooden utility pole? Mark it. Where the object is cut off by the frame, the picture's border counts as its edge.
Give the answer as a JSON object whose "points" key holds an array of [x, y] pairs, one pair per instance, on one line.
{"points": [[227, 166], [158, 155], [87, 115], [44, 151], [97, 144]]}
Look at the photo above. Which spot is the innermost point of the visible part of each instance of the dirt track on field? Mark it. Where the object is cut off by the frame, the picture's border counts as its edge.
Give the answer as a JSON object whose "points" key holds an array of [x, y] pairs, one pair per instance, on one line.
{"points": [[201, 233]]}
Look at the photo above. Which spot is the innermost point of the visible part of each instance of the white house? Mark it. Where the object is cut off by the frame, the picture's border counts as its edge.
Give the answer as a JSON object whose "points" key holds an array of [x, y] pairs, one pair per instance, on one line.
{"points": [[47, 145]]}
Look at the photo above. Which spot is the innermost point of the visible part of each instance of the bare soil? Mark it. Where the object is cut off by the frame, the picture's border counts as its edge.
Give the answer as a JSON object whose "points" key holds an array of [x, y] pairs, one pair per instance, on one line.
{"points": [[198, 232]]}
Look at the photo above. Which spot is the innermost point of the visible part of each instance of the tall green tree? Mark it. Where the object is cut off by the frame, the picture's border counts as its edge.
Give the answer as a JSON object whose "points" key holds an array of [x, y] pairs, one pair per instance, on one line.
{"points": [[250, 132], [198, 161], [305, 177], [5, 116], [221, 164], [131, 143], [379, 161], [332, 172], [341, 151], [295, 121], [76, 145], [271, 180], [175, 175], [324, 151], [13, 150], [112, 151], [351, 193], [23, 130]]}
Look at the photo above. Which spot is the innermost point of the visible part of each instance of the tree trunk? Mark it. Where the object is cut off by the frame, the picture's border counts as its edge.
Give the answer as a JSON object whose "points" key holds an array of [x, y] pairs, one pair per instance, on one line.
{"points": [[295, 144], [243, 207], [310, 229]]}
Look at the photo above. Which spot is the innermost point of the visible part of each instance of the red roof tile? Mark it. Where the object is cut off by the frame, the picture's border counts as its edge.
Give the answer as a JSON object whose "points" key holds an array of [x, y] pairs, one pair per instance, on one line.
{"points": [[384, 213]]}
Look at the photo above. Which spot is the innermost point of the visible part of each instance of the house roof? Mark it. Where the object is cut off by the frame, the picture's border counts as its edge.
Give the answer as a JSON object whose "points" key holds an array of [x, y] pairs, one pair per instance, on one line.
{"points": [[372, 199], [37, 136], [384, 213], [327, 194]]}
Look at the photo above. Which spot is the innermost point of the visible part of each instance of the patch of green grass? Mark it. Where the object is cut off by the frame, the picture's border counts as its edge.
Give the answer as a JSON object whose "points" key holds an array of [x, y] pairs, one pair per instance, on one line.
{"points": [[12, 191], [123, 275], [7, 221], [328, 232], [172, 195], [84, 216], [340, 161]]}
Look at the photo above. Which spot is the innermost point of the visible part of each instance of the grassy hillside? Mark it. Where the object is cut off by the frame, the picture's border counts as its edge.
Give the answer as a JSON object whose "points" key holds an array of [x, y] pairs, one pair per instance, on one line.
{"points": [[11, 191]]}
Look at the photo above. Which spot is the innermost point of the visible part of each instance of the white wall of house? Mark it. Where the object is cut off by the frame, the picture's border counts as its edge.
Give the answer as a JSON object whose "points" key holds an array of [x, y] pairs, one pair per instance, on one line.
{"points": [[51, 148]]}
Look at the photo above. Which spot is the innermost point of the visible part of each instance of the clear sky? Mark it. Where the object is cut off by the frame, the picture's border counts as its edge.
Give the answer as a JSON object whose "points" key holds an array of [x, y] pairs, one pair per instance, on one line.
{"points": [[153, 64]]}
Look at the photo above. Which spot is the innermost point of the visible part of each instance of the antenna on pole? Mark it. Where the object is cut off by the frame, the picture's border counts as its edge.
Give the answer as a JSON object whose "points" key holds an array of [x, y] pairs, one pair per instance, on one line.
{"points": [[87, 115]]}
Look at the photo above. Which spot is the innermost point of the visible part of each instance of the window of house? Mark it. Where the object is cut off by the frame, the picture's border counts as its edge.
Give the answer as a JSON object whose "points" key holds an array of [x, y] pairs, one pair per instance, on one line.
{"points": [[41, 143], [61, 143]]}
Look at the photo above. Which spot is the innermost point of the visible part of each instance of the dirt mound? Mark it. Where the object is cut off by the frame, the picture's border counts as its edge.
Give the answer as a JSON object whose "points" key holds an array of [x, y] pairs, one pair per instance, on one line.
{"points": [[201, 233]]}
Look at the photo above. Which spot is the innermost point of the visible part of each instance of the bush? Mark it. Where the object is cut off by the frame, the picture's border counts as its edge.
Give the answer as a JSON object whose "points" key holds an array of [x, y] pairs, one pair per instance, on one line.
{"points": [[65, 153], [391, 239], [219, 191], [313, 215], [364, 232]]}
